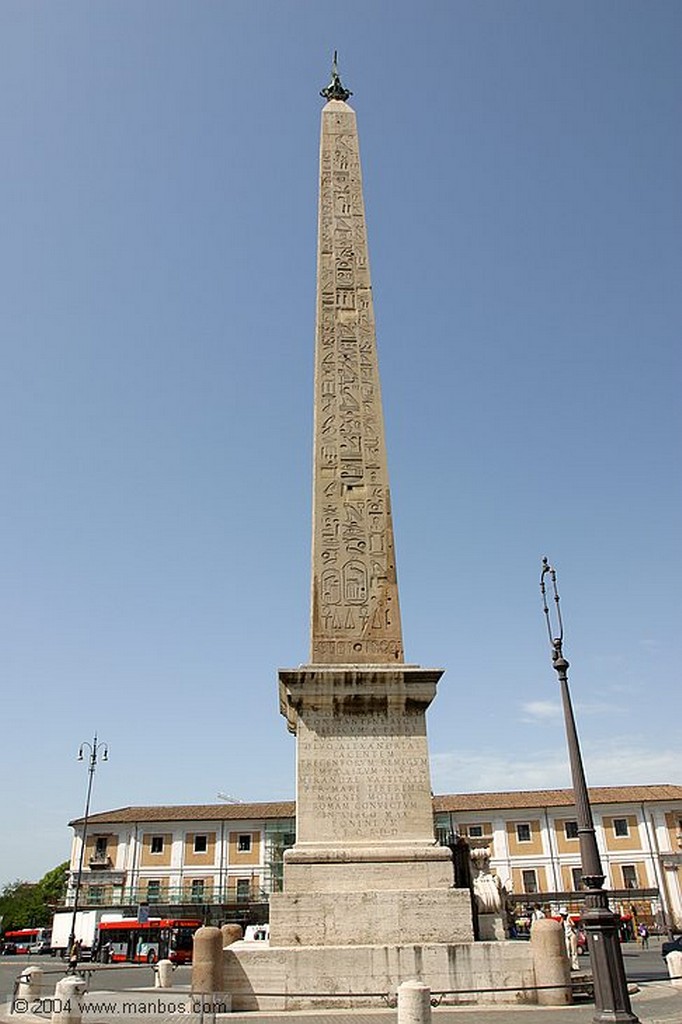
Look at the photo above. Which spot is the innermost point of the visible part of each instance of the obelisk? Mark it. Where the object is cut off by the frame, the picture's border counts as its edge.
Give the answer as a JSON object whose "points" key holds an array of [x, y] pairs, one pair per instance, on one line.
{"points": [[365, 868], [355, 610]]}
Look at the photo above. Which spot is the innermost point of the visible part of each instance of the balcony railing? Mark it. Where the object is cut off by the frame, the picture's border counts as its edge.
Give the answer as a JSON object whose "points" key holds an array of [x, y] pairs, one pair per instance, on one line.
{"points": [[166, 896], [100, 861]]}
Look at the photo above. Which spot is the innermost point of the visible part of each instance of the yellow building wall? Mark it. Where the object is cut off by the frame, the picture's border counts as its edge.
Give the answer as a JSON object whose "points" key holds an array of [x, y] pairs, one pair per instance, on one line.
{"points": [[254, 886], [520, 849], [563, 843], [197, 859], [567, 877], [238, 857], [673, 821], [486, 826], [187, 887], [618, 881], [91, 843], [540, 874], [153, 860], [614, 842], [143, 888]]}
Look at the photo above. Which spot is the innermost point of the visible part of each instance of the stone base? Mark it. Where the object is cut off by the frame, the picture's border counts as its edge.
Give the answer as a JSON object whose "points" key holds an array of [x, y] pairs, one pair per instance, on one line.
{"points": [[316, 867], [286, 978], [375, 918], [491, 927]]}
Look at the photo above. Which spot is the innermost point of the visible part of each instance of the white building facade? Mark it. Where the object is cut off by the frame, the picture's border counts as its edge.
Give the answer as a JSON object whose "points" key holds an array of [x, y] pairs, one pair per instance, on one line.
{"points": [[224, 860]]}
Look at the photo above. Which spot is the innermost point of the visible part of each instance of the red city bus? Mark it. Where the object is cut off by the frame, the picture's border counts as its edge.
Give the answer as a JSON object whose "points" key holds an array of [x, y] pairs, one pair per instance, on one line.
{"points": [[146, 942], [24, 941]]}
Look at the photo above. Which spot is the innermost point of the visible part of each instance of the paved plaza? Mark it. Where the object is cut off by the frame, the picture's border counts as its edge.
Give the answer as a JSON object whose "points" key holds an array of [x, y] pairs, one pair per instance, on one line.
{"points": [[656, 1003]]}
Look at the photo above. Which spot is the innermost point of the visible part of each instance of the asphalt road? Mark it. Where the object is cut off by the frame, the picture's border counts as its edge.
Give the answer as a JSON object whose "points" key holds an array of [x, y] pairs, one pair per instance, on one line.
{"points": [[113, 978]]}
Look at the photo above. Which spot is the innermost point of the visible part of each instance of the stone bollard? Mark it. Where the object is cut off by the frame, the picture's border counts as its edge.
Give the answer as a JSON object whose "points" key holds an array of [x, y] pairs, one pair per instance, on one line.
{"points": [[550, 960], [30, 984], [231, 933], [164, 974], [68, 1000], [414, 1003], [674, 964], [207, 960]]}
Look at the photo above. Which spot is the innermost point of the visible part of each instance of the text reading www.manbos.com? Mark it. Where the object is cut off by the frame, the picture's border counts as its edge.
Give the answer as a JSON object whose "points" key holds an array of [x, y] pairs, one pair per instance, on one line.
{"points": [[123, 1008]]}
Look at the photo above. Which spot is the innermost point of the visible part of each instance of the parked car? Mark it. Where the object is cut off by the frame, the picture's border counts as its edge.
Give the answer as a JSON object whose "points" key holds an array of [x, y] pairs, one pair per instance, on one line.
{"points": [[9, 948], [38, 948], [674, 946]]}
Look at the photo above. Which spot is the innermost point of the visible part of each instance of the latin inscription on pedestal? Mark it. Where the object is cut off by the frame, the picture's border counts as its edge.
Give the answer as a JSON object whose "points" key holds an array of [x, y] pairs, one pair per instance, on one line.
{"points": [[363, 779]]}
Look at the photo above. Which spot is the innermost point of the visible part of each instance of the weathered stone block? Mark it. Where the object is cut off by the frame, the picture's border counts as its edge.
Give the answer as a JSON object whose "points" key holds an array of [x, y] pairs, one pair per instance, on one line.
{"points": [[370, 918]]}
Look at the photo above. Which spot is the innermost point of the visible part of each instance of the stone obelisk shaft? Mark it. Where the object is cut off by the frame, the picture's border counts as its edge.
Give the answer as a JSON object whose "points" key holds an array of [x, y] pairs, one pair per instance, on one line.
{"points": [[355, 610]]}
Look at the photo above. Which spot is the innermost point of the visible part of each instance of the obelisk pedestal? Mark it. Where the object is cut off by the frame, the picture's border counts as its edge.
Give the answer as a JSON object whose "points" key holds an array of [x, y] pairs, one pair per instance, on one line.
{"points": [[366, 868]]}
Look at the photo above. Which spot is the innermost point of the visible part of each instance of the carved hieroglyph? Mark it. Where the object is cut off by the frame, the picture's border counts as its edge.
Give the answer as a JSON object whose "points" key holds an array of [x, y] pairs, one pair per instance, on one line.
{"points": [[355, 611]]}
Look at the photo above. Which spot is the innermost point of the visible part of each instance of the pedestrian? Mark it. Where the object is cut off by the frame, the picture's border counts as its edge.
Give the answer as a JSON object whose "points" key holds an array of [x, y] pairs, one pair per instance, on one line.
{"points": [[571, 940], [644, 935], [74, 956]]}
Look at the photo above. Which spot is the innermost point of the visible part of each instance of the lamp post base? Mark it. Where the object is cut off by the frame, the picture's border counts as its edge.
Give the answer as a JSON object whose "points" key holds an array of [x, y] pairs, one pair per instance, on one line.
{"points": [[611, 997]]}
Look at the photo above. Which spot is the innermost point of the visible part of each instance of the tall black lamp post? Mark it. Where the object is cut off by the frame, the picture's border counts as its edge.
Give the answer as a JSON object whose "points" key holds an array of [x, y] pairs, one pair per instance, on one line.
{"points": [[611, 998], [95, 749]]}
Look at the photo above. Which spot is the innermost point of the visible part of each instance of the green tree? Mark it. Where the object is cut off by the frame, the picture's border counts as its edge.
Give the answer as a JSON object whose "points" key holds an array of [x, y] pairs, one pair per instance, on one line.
{"points": [[53, 885], [31, 904], [21, 905]]}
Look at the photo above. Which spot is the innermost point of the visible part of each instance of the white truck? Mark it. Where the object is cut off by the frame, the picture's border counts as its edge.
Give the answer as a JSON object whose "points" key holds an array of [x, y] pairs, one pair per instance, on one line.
{"points": [[85, 931]]}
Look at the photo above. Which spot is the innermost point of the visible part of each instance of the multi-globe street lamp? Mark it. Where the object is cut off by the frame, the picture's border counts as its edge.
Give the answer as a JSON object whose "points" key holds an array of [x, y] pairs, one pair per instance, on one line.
{"points": [[611, 998], [95, 749]]}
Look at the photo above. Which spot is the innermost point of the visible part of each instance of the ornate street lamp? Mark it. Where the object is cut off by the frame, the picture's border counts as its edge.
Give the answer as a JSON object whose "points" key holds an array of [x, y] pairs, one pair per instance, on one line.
{"points": [[611, 998], [95, 748]]}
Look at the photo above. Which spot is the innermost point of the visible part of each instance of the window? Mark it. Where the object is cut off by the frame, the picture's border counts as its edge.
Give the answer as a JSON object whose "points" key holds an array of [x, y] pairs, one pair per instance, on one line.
{"points": [[200, 844], [244, 843], [621, 827], [243, 890], [629, 876], [96, 895], [153, 890], [156, 844], [442, 836], [475, 831], [571, 829], [523, 835], [530, 880], [197, 890], [577, 876], [101, 846]]}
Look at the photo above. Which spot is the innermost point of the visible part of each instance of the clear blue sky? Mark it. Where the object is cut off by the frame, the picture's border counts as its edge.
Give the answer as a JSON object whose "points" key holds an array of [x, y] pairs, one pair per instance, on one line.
{"points": [[159, 188]]}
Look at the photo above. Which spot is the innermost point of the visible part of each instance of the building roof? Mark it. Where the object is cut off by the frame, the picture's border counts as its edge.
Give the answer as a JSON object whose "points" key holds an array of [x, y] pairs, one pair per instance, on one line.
{"points": [[193, 812], [455, 802], [523, 799]]}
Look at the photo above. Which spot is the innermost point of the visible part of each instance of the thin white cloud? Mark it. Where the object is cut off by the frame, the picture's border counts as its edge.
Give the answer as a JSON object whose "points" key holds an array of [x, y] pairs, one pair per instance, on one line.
{"points": [[600, 707], [623, 761], [540, 710], [475, 771]]}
